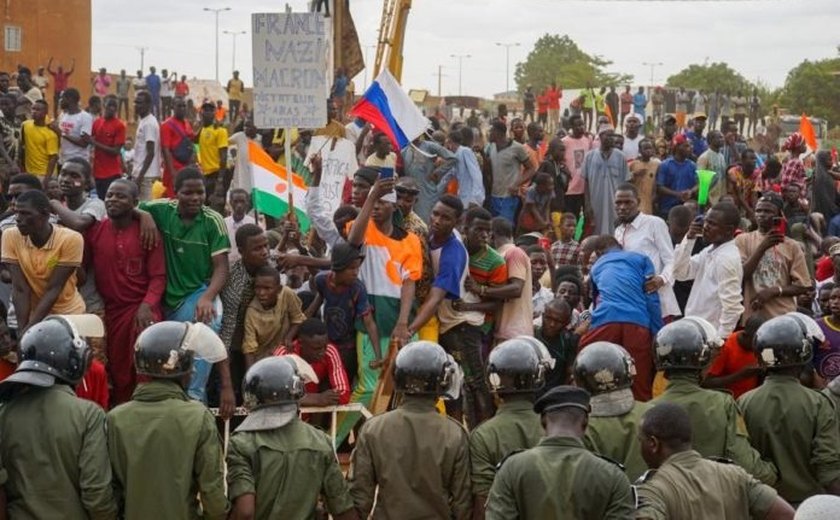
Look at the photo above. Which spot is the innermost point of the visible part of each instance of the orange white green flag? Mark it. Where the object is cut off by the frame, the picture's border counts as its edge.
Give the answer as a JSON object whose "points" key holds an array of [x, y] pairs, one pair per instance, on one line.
{"points": [[271, 194]]}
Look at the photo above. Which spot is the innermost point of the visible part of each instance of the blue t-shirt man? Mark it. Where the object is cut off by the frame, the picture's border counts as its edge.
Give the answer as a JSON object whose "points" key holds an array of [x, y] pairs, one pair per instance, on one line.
{"points": [[678, 176], [153, 84], [451, 265], [639, 103], [618, 283], [343, 306], [698, 143]]}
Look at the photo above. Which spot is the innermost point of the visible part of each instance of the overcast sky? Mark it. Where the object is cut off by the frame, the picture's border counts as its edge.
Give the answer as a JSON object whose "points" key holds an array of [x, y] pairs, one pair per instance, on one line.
{"points": [[762, 39]]}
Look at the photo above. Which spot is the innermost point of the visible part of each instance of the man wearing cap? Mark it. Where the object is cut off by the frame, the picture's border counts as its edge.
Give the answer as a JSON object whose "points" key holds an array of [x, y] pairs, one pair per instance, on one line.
{"points": [[676, 180], [212, 155], [599, 488], [603, 171], [405, 217], [775, 272], [632, 136]]}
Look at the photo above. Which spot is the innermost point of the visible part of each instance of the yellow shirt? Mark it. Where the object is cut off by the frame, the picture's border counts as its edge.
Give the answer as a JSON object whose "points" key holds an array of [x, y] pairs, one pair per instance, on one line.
{"points": [[40, 142], [235, 88], [211, 139], [64, 248], [390, 161]]}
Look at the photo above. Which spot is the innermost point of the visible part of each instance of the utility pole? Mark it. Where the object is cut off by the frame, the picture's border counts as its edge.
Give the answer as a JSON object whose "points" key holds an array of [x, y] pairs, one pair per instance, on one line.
{"points": [[216, 11], [142, 58], [507, 47], [440, 76], [460, 67], [234, 34], [652, 67]]}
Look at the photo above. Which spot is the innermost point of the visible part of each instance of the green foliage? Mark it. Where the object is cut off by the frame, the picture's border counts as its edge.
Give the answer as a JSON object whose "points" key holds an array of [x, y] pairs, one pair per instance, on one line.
{"points": [[558, 58], [709, 78], [813, 87]]}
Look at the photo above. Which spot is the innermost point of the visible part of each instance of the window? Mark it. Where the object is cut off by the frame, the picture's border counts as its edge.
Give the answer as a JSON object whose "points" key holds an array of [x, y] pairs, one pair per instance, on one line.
{"points": [[13, 37]]}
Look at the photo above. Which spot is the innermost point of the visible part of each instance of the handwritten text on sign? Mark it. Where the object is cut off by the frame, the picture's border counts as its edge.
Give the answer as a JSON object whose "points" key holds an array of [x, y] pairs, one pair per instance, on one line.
{"points": [[290, 70]]}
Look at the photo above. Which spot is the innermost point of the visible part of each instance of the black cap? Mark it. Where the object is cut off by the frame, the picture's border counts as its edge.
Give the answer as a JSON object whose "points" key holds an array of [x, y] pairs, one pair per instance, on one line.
{"points": [[208, 104], [669, 117], [367, 174], [563, 396], [407, 184], [343, 254]]}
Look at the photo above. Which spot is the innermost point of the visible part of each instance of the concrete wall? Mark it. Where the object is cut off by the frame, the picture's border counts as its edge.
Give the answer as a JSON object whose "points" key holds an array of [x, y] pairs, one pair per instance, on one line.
{"points": [[50, 28]]}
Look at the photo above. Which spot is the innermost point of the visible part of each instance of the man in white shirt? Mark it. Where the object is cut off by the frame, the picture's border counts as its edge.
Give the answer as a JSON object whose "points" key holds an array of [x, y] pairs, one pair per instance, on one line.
{"points": [[240, 204], [716, 270], [648, 235], [146, 146], [74, 126], [632, 136]]}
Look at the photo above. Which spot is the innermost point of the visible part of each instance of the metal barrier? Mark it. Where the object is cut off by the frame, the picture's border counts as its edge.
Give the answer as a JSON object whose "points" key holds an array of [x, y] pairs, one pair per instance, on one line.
{"points": [[332, 410]]}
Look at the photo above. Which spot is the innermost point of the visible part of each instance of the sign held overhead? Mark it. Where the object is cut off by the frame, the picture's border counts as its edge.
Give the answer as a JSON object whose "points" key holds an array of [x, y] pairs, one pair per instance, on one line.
{"points": [[291, 79]]}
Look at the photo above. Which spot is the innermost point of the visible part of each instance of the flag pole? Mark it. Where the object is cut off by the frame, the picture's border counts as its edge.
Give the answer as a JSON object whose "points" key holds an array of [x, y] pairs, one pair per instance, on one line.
{"points": [[287, 141]]}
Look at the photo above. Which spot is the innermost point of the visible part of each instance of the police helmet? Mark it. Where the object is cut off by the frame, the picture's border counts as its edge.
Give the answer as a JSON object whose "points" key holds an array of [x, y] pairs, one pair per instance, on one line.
{"points": [[687, 344], [424, 368], [51, 349], [812, 331], [783, 342], [603, 367], [516, 363], [272, 381], [160, 351]]}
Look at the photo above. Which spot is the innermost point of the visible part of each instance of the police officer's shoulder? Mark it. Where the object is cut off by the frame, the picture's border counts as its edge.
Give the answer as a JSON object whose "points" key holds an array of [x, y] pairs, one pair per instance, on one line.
{"points": [[645, 477], [725, 391], [611, 461], [509, 456], [720, 460], [460, 426]]}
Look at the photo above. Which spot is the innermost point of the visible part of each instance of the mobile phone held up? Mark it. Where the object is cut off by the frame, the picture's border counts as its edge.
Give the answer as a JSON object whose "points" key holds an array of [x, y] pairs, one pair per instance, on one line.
{"points": [[386, 172]]}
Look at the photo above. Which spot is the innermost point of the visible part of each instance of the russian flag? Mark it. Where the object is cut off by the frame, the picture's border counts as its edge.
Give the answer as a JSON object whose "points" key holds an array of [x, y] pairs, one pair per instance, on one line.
{"points": [[388, 108]]}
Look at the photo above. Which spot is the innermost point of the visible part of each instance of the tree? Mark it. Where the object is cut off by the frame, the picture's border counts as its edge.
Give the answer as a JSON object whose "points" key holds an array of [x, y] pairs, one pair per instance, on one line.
{"points": [[558, 58], [709, 78], [813, 87]]}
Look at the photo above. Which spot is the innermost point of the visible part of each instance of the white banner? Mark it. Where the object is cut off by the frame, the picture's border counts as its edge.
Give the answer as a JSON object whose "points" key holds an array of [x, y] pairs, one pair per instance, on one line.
{"points": [[338, 165], [291, 80]]}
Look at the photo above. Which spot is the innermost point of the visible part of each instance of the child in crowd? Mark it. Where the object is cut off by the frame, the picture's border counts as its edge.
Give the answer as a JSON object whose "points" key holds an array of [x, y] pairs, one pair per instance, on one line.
{"points": [[566, 249], [313, 346], [535, 214], [539, 267], [643, 169], [272, 318], [54, 189], [345, 303], [737, 367]]}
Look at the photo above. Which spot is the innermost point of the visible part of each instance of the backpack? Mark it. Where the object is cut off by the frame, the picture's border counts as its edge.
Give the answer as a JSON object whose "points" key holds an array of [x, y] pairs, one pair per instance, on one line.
{"points": [[183, 151]]}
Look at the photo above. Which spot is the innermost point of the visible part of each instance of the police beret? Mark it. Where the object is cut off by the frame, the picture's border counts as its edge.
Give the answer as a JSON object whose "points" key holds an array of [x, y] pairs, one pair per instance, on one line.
{"points": [[563, 397]]}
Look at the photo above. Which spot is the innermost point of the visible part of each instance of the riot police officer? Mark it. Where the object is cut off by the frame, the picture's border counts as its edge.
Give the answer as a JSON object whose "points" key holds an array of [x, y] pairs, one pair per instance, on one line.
{"points": [[606, 371], [164, 446], [53, 444], [559, 477], [418, 459], [794, 425], [277, 464], [516, 369], [683, 350]]}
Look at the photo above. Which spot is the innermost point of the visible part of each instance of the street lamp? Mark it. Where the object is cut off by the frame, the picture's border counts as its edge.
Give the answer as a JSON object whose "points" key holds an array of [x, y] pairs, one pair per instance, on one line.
{"points": [[460, 67], [367, 63], [652, 67], [507, 47], [234, 34], [216, 11]]}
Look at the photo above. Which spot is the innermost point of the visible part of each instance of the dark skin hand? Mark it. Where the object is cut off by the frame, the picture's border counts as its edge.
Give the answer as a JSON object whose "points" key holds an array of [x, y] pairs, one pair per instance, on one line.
{"points": [[328, 397]]}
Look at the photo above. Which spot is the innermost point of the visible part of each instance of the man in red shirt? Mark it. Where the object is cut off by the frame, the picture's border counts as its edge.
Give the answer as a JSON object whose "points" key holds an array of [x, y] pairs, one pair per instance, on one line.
{"points": [[61, 80], [177, 139], [108, 138], [312, 345], [131, 280], [554, 93], [542, 108], [737, 368]]}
